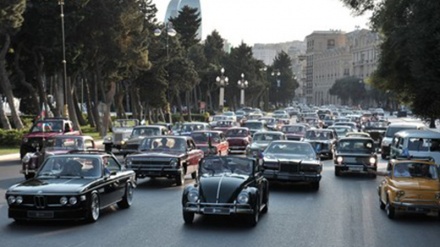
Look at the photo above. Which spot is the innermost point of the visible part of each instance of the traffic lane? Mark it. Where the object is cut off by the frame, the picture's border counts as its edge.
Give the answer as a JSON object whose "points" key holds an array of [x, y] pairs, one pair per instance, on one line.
{"points": [[344, 212]]}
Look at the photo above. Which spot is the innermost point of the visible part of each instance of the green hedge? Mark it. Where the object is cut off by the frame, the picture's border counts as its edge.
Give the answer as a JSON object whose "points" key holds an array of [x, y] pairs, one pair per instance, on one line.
{"points": [[10, 138]]}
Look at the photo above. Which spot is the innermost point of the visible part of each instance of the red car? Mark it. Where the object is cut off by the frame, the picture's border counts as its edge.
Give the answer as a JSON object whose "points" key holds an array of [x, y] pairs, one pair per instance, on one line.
{"points": [[238, 138], [219, 145]]}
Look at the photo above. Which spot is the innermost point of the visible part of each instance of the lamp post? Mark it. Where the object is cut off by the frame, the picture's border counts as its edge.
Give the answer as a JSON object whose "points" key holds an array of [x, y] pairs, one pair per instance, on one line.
{"points": [[222, 82], [171, 32], [66, 108], [242, 84]]}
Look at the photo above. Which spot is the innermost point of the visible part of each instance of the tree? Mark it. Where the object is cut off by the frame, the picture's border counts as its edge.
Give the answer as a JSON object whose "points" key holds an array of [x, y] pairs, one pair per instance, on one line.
{"points": [[285, 84], [408, 64], [349, 88], [11, 19]]}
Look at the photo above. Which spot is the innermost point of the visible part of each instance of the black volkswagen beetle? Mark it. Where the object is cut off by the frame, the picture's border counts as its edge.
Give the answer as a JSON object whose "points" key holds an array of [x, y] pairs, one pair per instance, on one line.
{"points": [[227, 185], [72, 187]]}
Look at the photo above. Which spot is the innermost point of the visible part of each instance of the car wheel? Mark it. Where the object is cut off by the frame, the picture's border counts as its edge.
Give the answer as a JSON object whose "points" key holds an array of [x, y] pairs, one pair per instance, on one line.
{"points": [[266, 207], [194, 175], [94, 208], [390, 210], [127, 200], [315, 185], [337, 171], [180, 178], [188, 217], [108, 147], [381, 204], [253, 218]]}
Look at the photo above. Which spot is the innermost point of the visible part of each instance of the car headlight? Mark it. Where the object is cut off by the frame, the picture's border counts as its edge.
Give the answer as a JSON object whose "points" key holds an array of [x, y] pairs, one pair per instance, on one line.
{"points": [[108, 138], [243, 198], [123, 142], [174, 162], [385, 142], [11, 200], [19, 199], [339, 159], [437, 195], [27, 157], [372, 160], [73, 200], [128, 162], [25, 140], [399, 194], [193, 195], [63, 200]]}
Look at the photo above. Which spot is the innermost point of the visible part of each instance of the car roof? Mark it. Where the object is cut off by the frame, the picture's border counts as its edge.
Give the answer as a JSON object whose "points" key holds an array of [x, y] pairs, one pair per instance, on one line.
{"points": [[207, 131], [269, 132], [355, 138], [419, 133]]}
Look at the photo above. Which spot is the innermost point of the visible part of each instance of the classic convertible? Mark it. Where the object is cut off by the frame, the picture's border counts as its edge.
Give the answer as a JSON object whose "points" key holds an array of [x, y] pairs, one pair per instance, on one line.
{"points": [[72, 187], [227, 185], [410, 186]]}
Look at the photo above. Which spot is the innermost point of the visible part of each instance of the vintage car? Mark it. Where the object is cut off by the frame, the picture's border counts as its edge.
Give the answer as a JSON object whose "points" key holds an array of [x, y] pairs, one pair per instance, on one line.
{"points": [[292, 161], [188, 127], [212, 142], [238, 138], [227, 185], [341, 130], [272, 123], [131, 144], [255, 125], [166, 156], [121, 130], [72, 187], [225, 125], [355, 155], [53, 146], [261, 140], [43, 129], [376, 129], [357, 134], [322, 140], [295, 132], [410, 186]]}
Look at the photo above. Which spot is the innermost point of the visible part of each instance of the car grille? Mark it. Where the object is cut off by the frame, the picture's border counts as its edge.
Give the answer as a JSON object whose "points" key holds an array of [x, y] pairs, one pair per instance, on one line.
{"points": [[36, 141], [132, 146], [40, 202], [151, 163], [289, 167], [118, 137], [356, 160]]}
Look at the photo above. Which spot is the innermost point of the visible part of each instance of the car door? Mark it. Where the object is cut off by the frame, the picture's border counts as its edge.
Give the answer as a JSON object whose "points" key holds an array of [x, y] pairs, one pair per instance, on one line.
{"points": [[194, 156], [115, 183]]}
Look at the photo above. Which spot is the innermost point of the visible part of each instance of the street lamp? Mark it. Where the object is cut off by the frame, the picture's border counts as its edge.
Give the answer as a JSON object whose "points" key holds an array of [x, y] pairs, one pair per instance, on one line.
{"points": [[277, 74], [242, 84], [222, 82], [65, 109], [171, 32]]}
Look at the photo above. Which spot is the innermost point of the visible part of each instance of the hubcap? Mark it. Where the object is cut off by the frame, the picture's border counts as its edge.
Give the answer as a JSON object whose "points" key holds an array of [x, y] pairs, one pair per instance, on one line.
{"points": [[95, 207], [129, 194]]}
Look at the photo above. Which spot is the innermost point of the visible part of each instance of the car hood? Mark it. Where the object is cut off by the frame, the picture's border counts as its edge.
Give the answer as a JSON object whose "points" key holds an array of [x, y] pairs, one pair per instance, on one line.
{"points": [[221, 189], [259, 145], [416, 184], [205, 144], [42, 134], [290, 157], [135, 140], [51, 185]]}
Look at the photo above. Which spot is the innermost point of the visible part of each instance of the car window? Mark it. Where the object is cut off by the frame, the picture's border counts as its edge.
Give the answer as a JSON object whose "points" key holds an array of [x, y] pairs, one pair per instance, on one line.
{"points": [[111, 164]]}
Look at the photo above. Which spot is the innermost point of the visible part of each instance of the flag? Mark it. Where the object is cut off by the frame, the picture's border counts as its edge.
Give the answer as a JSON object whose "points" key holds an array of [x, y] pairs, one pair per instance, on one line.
{"points": [[42, 114]]}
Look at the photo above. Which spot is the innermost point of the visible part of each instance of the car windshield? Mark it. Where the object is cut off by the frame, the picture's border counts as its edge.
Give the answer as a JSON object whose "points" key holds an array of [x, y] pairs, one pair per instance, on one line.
{"points": [[48, 126], [416, 170], [229, 166], [200, 137], [292, 148], [236, 133], [163, 144], [192, 127], [266, 137], [76, 167], [254, 125], [67, 143], [145, 132], [391, 130], [356, 146], [125, 123], [225, 123], [293, 129]]}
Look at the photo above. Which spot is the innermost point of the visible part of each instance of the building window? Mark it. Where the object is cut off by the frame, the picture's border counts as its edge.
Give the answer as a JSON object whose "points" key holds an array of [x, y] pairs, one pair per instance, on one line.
{"points": [[330, 44]]}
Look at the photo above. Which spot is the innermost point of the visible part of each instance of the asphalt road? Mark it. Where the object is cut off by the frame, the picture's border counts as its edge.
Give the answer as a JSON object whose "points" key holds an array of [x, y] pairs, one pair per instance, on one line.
{"points": [[344, 212]]}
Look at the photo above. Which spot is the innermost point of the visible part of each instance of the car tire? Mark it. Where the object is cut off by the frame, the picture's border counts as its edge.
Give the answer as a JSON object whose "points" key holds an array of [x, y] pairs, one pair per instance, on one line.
{"points": [[108, 147], [180, 178], [390, 210], [94, 208], [315, 186], [194, 175], [381, 204], [127, 199], [337, 171], [253, 218], [188, 217]]}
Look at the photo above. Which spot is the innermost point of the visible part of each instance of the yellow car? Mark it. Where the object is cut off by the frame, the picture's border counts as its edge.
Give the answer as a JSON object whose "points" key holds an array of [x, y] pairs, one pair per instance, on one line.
{"points": [[410, 186]]}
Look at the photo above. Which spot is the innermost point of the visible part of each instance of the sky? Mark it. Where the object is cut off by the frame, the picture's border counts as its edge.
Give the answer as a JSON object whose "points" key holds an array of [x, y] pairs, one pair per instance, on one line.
{"points": [[271, 21]]}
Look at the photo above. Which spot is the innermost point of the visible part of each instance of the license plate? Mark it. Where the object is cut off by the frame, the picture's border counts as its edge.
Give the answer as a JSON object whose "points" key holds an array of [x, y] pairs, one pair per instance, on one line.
{"points": [[40, 214], [234, 147], [356, 169]]}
